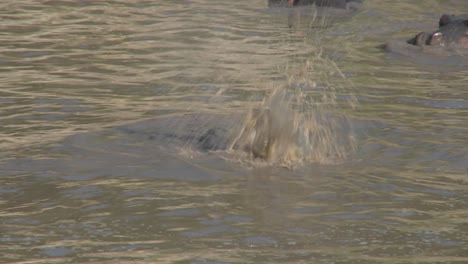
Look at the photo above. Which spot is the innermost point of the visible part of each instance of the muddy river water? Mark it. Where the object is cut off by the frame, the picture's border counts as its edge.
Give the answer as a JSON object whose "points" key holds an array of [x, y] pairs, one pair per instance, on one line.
{"points": [[121, 123]]}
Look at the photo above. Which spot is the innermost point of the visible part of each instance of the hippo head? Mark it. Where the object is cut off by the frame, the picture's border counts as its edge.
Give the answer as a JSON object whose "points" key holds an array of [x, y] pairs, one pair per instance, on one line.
{"points": [[329, 3], [453, 31]]}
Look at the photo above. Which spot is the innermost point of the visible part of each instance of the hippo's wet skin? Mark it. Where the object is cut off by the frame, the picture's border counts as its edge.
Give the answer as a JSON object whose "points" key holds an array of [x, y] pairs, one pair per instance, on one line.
{"points": [[453, 31], [344, 4]]}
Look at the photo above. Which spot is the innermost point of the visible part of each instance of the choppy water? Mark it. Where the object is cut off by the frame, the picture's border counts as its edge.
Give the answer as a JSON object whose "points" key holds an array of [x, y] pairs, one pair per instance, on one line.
{"points": [[77, 186]]}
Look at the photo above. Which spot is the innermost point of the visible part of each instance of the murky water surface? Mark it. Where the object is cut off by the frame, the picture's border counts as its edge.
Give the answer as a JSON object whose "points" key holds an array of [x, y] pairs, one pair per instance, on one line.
{"points": [[108, 108]]}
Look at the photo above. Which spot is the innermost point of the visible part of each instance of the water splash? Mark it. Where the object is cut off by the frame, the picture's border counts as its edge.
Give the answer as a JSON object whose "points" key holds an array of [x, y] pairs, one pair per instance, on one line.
{"points": [[301, 121]]}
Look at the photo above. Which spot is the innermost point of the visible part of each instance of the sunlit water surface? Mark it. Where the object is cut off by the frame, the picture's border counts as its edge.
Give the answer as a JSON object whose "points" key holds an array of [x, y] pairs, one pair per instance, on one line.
{"points": [[86, 86]]}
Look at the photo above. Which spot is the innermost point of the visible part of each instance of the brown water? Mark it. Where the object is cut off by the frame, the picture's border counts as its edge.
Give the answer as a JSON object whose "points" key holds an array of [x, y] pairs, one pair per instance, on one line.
{"points": [[105, 109]]}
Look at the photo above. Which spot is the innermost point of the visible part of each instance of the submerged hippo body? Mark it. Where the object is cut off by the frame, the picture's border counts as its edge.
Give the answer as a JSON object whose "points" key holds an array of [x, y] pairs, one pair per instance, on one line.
{"points": [[343, 4], [447, 45], [203, 132], [200, 132]]}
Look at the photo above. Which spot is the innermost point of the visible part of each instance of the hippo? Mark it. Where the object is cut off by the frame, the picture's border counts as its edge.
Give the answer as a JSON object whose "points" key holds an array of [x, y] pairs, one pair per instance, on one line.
{"points": [[453, 31], [343, 4], [448, 45]]}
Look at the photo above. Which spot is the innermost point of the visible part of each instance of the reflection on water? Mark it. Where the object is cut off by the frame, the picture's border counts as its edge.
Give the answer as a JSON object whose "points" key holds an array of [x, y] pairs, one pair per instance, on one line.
{"points": [[104, 150]]}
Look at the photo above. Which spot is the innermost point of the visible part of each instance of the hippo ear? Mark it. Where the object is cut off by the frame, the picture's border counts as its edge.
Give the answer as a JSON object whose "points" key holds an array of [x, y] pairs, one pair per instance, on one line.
{"points": [[420, 39], [445, 19]]}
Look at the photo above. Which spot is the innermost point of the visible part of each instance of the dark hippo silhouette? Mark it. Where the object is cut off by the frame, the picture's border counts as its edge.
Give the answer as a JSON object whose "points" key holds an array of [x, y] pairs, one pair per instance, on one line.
{"points": [[453, 31], [201, 132], [344, 4], [447, 45]]}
